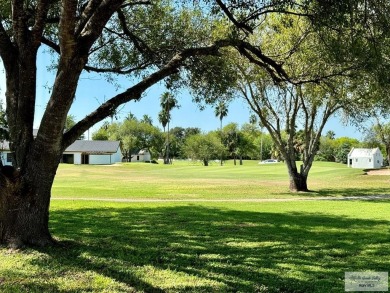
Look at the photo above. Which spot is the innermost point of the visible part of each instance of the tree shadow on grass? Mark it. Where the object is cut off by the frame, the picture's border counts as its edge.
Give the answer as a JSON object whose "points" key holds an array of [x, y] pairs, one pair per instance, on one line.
{"points": [[347, 192], [199, 249], [341, 192]]}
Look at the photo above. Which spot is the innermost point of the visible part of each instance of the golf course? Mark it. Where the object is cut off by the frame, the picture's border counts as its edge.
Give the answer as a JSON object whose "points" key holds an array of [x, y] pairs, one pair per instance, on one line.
{"points": [[138, 227]]}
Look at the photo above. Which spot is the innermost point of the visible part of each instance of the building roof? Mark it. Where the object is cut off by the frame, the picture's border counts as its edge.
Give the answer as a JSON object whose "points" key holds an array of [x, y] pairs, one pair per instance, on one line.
{"points": [[143, 152], [83, 146], [360, 152], [94, 146]]}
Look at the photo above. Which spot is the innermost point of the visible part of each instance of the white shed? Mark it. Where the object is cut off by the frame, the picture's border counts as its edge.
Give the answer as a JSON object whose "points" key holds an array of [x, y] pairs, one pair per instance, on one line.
{"points": [[141, 156], [93, 152], [5, 153], [365, 158]]}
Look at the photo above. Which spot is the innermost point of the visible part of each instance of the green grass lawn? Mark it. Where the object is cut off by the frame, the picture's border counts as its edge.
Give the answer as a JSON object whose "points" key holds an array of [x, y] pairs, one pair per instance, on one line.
{"points": [[295, 246], [188, 181]]}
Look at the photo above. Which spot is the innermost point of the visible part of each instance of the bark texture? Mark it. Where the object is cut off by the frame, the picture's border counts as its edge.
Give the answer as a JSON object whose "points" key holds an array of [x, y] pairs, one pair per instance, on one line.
{"points": [[24, 216], [298, 183]]}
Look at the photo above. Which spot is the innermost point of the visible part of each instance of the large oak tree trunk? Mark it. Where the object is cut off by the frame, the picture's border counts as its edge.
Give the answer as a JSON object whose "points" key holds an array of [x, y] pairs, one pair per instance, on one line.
{"points": [[23, 218], [298, 180], [25, 199], [298, 183], [24, 211]]}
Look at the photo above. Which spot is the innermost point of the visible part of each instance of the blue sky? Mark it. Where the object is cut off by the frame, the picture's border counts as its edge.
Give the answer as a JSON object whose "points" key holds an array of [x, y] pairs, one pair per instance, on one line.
{"points": [[94, 89]]}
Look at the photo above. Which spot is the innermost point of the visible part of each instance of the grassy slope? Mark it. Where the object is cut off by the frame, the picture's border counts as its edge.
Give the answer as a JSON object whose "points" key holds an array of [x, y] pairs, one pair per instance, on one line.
{"points": [[205, 247]]}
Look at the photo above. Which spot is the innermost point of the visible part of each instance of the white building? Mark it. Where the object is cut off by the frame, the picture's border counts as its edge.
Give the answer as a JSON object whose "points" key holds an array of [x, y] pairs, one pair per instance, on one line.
{"points": [[5, 153], [365, 158], [93, 152], [141, 156]]}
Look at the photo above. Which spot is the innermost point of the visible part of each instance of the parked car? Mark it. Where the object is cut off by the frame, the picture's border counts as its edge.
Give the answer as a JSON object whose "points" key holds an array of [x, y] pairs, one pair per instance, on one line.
{"points": [[269, 161]]}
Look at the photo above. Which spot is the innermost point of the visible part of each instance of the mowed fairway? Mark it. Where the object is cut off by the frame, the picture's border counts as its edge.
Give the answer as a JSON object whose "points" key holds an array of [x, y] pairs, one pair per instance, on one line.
{"points": [[186, 181], [204, 246]]}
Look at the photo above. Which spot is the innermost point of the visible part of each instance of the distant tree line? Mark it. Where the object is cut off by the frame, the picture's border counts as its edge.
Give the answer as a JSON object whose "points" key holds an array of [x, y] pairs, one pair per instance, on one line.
{"points": [[233, 142], [236, 143]]}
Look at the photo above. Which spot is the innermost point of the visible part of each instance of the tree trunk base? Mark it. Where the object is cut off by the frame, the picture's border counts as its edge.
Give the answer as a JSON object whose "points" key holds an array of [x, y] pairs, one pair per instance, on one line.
{"points": [[24, 215], [19, 243], [298, 184]]}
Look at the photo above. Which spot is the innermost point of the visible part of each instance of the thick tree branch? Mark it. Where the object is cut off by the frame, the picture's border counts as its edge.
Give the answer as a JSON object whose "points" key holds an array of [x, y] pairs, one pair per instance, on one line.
{"points": [[51, 44], [276, 70], [97, 19], [241, 25], [259, 13], [67, 28], [141, 46], [7, 48], [346, 72], [117, 70], [18, 21], [21, 78], [134, 3], [9, 56], [135, 92], [87, 13], [40, 20], [256, 56]]}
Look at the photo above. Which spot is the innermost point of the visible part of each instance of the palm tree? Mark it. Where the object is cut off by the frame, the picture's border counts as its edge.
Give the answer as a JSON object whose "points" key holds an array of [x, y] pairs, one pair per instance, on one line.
{"points": [[163, 118], [167, 103], [131, 117], [147, 119], [254, 121], [330, 134], [221, 111]]}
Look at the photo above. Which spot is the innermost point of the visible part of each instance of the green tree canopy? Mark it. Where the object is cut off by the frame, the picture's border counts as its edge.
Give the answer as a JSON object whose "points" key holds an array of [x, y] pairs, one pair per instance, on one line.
{"points": [[203, 147], [134, 135], [378, 135]]}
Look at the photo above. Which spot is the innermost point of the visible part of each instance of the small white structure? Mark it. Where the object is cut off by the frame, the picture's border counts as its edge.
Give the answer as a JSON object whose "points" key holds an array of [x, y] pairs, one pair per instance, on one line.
{"points": [[93, 152], [365, 158], [5, 153], [141, 156]]}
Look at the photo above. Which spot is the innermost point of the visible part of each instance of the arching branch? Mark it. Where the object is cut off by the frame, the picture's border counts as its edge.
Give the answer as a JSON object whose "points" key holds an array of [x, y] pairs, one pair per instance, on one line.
{"points": [[51, 44], [118, 70], [241, 25], [7, 48], [141, 46], [135, 92]]}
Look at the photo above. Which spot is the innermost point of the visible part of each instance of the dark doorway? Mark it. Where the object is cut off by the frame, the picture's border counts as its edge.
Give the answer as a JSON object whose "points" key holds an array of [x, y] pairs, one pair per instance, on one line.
{"points": [[84, 159], [68, 158]]}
